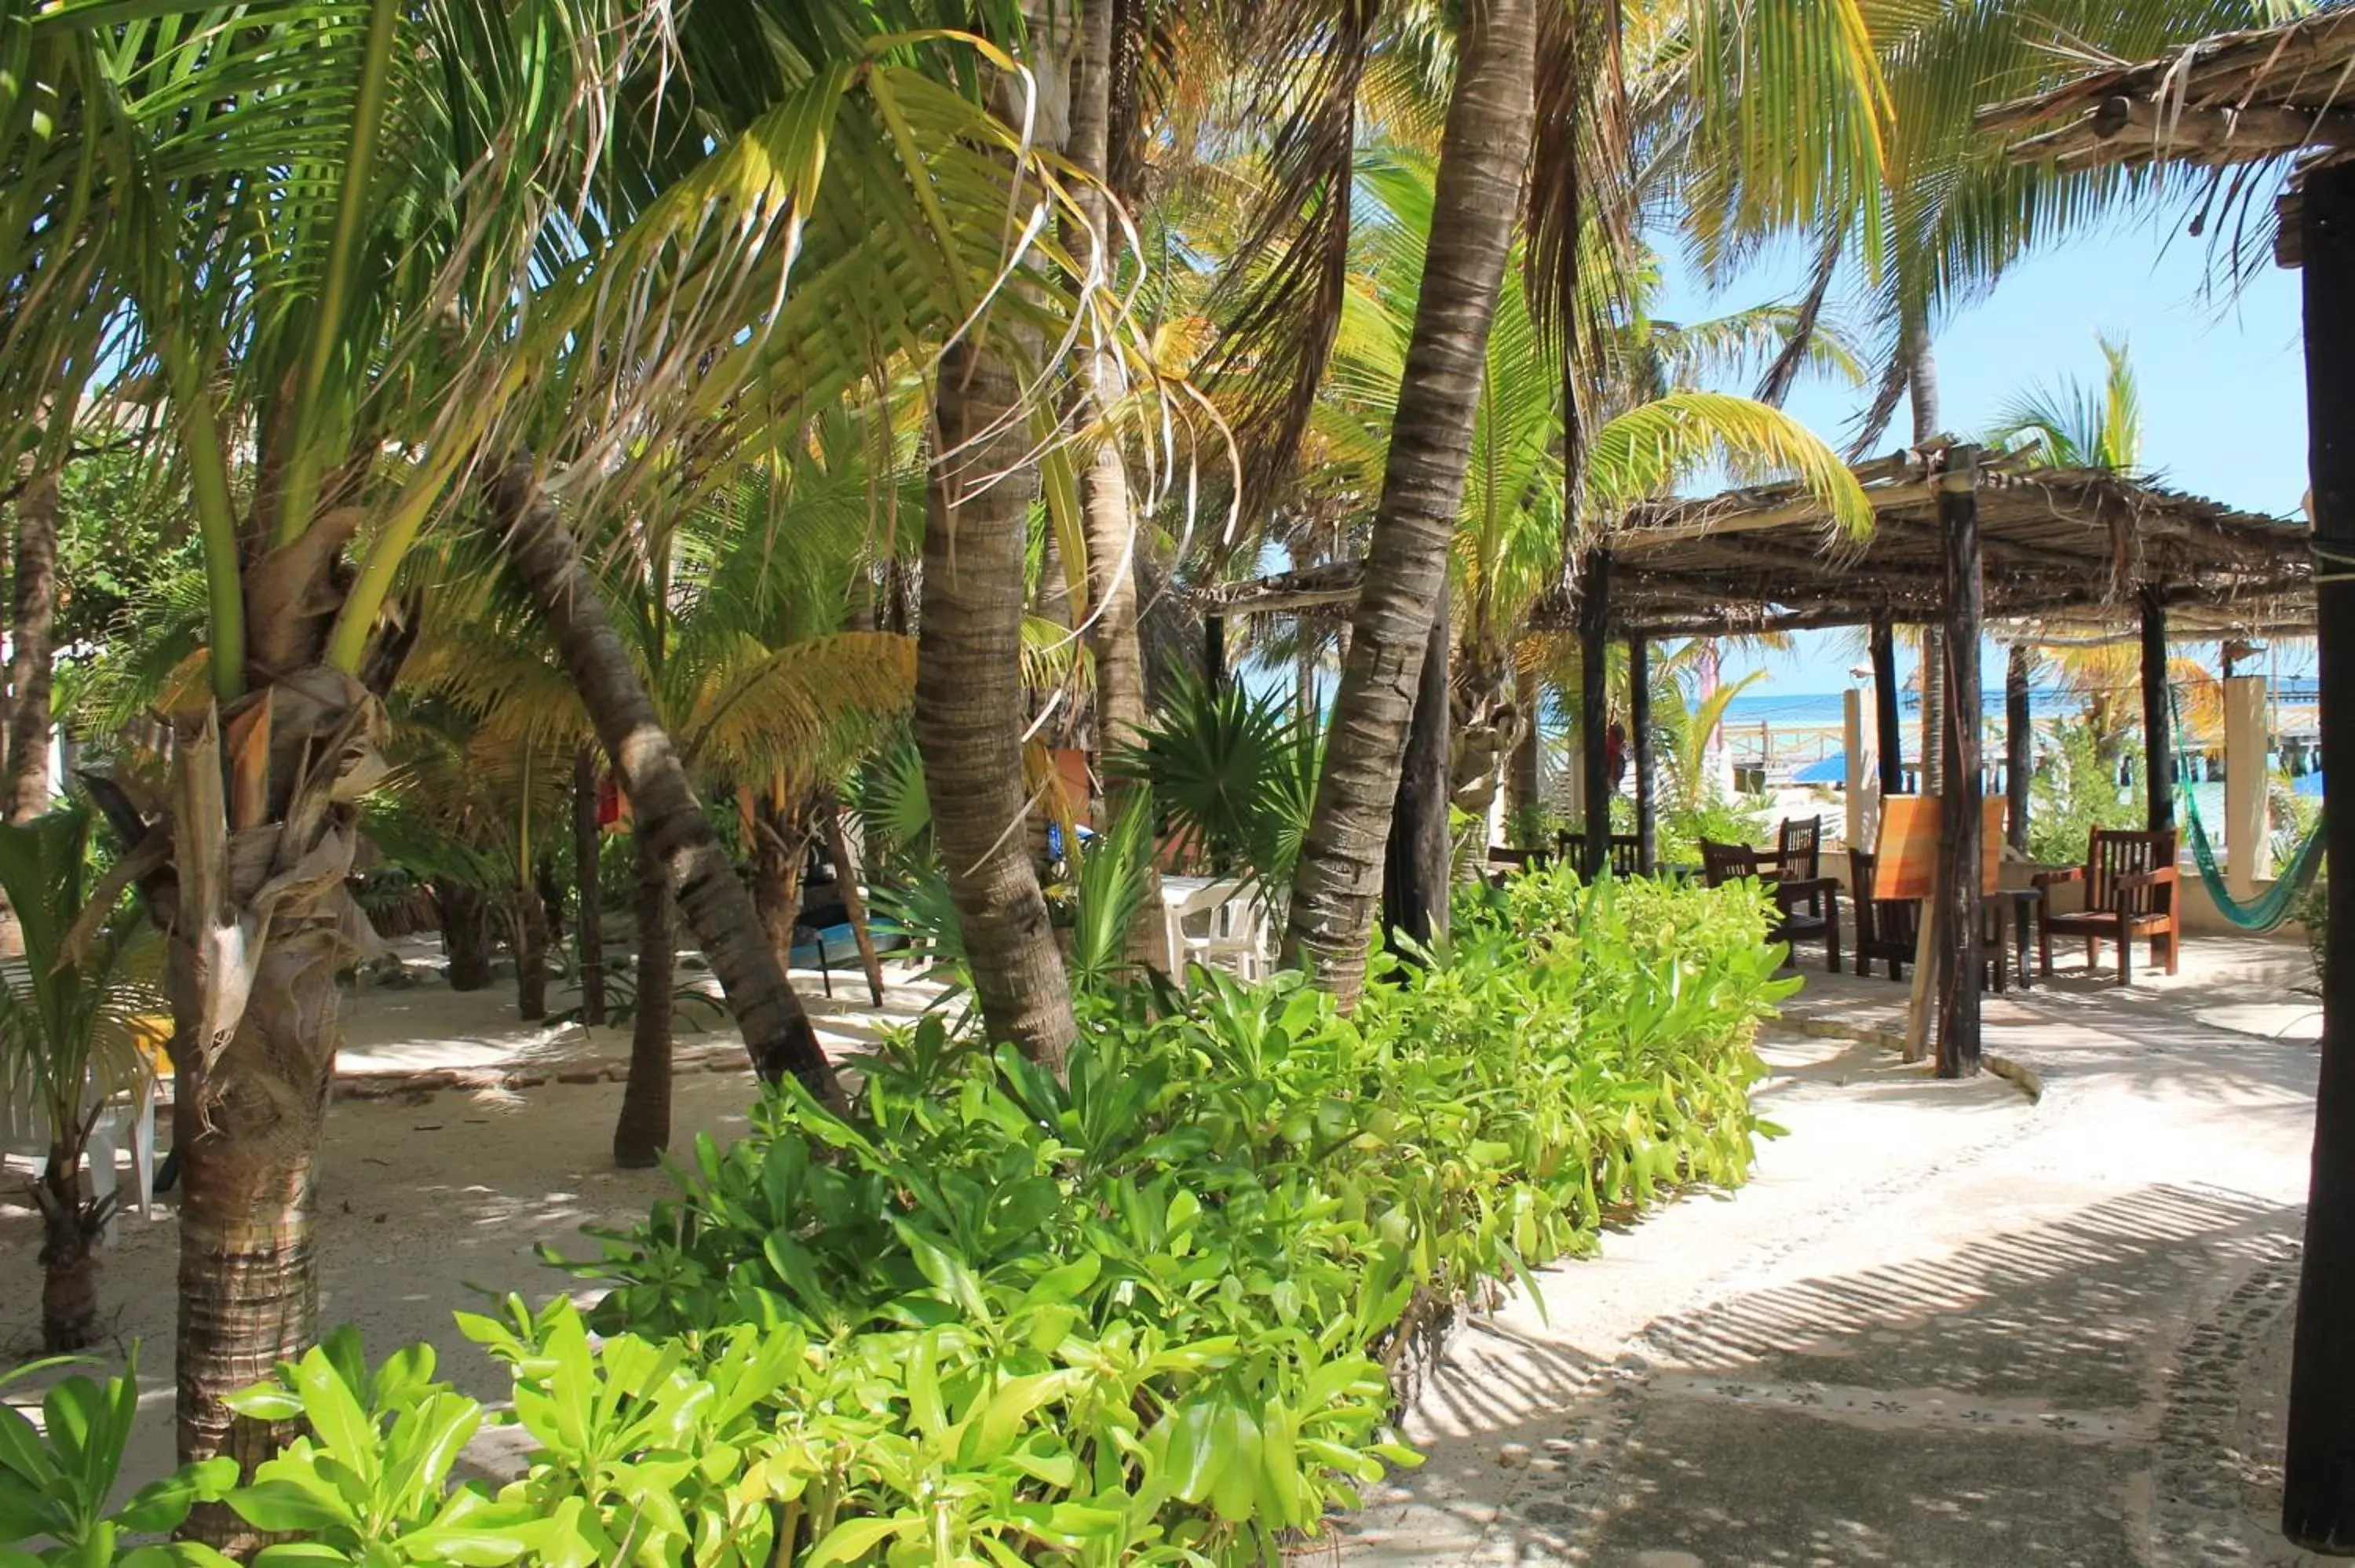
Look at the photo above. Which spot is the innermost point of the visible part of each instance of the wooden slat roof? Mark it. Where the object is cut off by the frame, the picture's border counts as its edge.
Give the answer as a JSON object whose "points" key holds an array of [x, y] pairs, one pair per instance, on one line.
{"points": [[2064, 549]]}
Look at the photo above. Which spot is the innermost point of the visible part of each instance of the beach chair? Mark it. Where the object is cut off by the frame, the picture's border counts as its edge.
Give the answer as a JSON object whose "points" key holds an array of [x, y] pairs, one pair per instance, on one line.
{"points": [[1804, 907], [2130, 884]]}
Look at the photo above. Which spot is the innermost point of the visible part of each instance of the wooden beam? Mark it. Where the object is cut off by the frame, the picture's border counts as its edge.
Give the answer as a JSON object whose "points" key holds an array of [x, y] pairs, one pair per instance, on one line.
{"points": [[1639, 741], [1214, 650], [1959, 910], [2319, 1478], [1593, 705]]}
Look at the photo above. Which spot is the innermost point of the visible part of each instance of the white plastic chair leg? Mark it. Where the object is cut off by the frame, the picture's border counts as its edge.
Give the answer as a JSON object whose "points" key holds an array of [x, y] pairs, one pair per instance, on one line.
{"points": [[98, 1156], [143, 1149]]}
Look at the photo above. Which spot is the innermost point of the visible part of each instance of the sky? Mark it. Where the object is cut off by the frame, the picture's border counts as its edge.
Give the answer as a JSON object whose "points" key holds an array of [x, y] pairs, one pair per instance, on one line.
{"points": [[2219, 374]]}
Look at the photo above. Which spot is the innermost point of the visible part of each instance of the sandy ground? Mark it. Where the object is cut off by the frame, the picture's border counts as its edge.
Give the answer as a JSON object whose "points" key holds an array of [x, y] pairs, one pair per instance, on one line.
{"points": [[432, 1201]]}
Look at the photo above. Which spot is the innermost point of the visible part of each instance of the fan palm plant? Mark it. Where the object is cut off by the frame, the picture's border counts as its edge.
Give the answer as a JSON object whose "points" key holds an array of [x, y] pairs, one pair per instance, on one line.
{"points": [[70, 1017]]}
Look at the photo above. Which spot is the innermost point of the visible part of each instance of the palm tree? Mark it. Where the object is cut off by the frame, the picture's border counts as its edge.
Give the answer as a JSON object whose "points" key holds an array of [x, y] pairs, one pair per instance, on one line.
{"points": [[68, 1021], [1476, 193]]}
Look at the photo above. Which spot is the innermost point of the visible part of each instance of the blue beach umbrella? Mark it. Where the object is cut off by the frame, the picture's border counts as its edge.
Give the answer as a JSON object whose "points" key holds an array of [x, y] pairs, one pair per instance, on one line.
{"points": [[1832, 770]]}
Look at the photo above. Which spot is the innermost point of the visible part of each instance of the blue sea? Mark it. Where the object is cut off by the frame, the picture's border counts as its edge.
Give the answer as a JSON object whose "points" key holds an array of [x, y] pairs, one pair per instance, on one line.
{"points": [[1814, 708]]}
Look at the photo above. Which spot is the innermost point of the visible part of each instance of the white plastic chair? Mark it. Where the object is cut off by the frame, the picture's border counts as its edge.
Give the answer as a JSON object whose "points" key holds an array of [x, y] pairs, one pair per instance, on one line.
{"points": [[1235, 927], [128, 1117]]}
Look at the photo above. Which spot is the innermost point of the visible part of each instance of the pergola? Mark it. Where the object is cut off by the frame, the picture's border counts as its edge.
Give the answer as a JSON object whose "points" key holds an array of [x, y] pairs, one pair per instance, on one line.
{"points": [[2234, 104], [2062, 554]]}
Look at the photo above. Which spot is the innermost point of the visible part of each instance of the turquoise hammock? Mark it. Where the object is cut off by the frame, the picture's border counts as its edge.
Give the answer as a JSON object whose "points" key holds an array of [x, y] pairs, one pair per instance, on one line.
{"points": [[2272, 906]]}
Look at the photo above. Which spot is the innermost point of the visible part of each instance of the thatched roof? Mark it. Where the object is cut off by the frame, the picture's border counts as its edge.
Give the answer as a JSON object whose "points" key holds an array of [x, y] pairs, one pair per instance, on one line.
{"points": [[2265, 94], [2064, 549]]}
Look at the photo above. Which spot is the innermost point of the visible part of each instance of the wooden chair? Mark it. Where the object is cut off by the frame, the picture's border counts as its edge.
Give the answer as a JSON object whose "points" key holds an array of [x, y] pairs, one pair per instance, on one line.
{"points": [[1626, 850], [1805, 907], [1798, 850], [1889, 929], [2130, 880]]}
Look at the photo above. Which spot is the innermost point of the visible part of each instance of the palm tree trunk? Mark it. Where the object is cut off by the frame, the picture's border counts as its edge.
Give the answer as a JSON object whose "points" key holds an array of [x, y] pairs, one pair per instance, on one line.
{"points": [[70, 1229], [777, 1031], [1922, 388], [969, 702], [1113, 529], [778, 856], [1483, 156], [531, 954], [591, 935], [1523, 783], [465, 934], [642, 1131], [25, 791]]}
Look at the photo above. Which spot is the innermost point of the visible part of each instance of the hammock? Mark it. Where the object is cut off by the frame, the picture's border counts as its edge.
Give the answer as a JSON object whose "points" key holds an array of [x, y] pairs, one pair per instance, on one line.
{"points": [[2272, 906]]}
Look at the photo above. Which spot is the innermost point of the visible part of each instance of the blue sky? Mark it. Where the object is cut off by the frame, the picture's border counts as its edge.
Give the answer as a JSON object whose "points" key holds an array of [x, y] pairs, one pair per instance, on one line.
{"points": [[2220, 377]]}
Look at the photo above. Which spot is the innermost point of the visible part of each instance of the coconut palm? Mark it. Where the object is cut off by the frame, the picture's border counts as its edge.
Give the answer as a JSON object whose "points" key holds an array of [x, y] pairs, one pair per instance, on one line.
{"points": [[69, 1017]]}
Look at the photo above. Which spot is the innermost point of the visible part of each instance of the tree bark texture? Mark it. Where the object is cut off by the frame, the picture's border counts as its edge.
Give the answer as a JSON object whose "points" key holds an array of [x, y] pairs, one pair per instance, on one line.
{"points": [[530, 921], [2318, 1473], [642, 1131], [1524, 780], [1115, 533], [1415, 864], [1484, 157], [25, 791], [777, 1031], [263, 839], [69, 1230], [2018, 745], [1594, 708], [780, 850], [591, 932], [465, 933], [847, 878], [970, 710]]}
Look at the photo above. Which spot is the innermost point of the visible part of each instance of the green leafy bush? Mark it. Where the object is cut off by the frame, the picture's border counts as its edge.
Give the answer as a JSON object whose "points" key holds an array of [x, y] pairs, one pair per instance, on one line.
{"points": [[2076, 791], [1149, 1313]]}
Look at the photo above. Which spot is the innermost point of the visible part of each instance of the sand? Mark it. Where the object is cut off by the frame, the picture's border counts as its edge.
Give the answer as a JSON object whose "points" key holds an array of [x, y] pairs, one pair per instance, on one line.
{"points": [[432, 1201]]}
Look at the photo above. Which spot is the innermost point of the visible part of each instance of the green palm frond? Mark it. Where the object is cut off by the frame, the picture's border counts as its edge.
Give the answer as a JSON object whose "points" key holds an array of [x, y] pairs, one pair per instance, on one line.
{"points": [[1645, 451], [2074, 425]]}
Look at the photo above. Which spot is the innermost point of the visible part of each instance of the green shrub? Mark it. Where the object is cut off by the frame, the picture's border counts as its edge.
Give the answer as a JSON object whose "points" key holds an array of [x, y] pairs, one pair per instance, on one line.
{"points": [[1147, 1314]]}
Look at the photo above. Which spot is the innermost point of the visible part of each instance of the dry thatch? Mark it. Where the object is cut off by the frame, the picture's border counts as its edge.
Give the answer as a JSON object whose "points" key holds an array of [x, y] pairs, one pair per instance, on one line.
{"points": [[2263, 95], [2065, 549]]}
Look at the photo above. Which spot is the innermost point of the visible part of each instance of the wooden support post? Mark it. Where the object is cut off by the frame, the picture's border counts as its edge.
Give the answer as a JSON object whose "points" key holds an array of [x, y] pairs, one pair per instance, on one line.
{"points": [[1595, 705], [1852, 737], [1414, 857], [2319, 1478], [1214, 650], [1639, 745], [2157, 719], [2018, 745], [2248, 847], [1888, 731], [1960, 922]]}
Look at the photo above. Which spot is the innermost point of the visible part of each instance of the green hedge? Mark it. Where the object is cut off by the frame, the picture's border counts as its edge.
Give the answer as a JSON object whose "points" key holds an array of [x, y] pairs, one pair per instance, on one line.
{"points": [[1145, 1315]]}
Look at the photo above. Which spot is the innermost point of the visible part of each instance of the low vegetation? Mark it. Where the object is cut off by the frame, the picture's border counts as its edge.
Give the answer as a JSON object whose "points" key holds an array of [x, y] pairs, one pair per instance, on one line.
{"points": [[1153, 1312]]}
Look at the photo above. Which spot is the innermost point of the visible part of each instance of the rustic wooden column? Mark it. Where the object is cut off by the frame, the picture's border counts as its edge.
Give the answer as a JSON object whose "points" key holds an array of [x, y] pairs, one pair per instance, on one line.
{"points": [[2319, 1481], [2157, 721], [1888, 731], [2248, 857], [1594, 705], [1414, 857], [2018, 745], [1959, 909], [1214, 650], [1639, 745]]}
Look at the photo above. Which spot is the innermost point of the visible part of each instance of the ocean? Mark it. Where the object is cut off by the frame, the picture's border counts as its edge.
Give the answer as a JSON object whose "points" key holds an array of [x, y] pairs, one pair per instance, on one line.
{"points": [[1807, 709]]}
